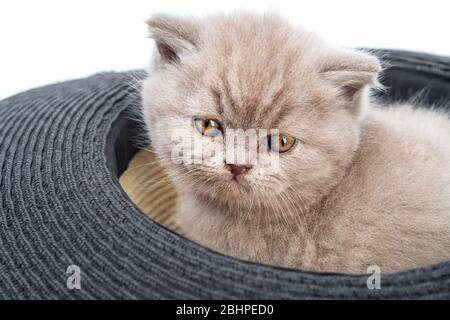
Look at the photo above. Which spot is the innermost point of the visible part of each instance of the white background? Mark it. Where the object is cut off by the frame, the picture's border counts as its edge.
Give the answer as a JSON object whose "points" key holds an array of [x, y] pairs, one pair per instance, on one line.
{"points": [[44, 41]]}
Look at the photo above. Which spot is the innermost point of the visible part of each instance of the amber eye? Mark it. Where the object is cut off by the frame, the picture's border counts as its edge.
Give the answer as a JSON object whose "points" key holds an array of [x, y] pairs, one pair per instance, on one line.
{"points": [[281, 143], [208, 127]]}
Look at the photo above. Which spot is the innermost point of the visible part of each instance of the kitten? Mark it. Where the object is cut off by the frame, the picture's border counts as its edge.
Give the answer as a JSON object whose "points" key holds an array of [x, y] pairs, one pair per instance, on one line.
{"points": [[356, 184]]}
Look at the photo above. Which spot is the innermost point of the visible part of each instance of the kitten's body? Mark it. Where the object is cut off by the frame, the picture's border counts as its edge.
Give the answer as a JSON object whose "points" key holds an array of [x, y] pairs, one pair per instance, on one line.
{"points": [[365, 186]]}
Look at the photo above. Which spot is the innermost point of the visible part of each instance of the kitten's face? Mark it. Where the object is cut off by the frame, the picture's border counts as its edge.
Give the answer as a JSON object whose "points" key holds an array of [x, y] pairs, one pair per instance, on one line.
{"points": [[247, 72]]}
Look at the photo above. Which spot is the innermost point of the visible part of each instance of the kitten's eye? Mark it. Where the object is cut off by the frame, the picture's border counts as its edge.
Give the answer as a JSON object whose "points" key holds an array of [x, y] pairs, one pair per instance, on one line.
{"points": [[281, 143], [208, 127]]}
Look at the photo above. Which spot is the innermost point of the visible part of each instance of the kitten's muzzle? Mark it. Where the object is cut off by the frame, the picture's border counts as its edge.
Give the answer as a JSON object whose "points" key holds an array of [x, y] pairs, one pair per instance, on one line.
{"points": [[237, 170]]}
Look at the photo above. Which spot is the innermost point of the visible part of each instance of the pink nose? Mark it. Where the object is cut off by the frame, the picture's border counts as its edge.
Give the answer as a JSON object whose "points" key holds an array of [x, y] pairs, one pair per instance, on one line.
{"points": [[238, 169]]}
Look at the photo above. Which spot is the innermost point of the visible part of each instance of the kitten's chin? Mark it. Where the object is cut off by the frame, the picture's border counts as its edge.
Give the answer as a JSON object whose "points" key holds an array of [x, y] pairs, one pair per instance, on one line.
{"points": [[235, 187], [238, 187], [216, 187], [225, 190]]}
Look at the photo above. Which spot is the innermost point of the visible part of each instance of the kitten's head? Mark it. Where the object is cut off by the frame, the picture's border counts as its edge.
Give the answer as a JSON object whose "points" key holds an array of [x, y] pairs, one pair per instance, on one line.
{"points": [[254, 72]]}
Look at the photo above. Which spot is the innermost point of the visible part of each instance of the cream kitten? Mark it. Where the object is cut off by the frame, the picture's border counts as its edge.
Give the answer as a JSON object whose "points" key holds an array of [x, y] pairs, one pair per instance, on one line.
{"points": [[358, 185]]}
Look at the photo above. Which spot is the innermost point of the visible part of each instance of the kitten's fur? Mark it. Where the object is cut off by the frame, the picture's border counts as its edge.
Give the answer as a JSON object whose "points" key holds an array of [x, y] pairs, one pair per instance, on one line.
{"points": [[365, 185]]}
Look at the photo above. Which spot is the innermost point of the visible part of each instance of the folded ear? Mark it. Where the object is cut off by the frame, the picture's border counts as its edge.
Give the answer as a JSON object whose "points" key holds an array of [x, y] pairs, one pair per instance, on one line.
{"points": [[350, 71], [173, 36]]}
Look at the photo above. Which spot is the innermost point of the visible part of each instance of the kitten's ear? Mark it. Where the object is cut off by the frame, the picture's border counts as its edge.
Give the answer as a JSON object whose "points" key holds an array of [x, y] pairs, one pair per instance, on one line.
{"points": [[350, 71], [173, 36]]}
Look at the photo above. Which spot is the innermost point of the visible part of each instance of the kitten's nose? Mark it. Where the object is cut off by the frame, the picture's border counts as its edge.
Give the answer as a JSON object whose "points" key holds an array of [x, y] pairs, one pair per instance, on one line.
{"points": [[238, 169]]}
